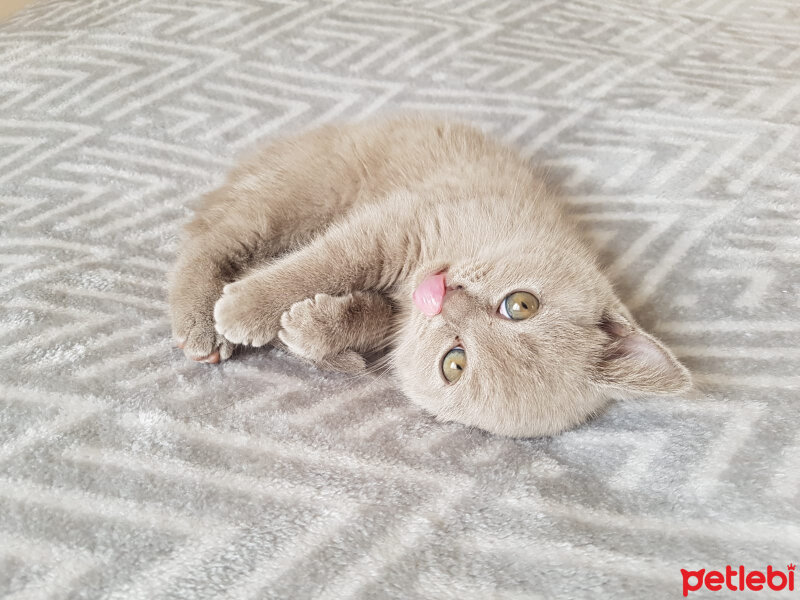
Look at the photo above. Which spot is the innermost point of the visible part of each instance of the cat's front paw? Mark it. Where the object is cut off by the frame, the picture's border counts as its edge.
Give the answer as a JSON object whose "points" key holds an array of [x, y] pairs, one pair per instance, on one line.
{"points": [[193, 330], [204, 344], [240, 315], [308, 328]]}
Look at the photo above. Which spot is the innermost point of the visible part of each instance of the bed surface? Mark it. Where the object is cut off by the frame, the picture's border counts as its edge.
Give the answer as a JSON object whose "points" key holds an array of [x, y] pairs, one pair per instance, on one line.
{"points": [[128, 472]]}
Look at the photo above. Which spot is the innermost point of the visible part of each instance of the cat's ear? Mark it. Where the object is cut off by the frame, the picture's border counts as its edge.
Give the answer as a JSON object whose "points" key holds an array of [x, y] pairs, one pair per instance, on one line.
{"points": [[634, 361]]}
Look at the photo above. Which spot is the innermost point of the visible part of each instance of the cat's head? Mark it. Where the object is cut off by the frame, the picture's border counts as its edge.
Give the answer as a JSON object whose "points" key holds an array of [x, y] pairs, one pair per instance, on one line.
{"points": [[528, 342]]}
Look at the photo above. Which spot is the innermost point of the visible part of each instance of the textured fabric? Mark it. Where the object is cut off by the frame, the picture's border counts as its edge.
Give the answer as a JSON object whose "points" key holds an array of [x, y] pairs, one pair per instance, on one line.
{"points": [[127, 471]]}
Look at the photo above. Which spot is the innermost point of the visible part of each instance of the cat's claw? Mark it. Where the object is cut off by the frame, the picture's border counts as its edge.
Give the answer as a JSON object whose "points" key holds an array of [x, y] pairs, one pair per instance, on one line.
{"points": [[212, 358]]}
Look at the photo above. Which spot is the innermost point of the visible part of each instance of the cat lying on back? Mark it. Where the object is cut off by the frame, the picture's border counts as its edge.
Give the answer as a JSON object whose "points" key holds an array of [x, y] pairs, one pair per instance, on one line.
{"points": [[432, 239]]}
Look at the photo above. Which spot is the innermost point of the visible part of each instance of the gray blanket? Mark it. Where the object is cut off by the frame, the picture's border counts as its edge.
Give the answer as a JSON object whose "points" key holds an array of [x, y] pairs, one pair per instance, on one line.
{"points": [[127, 471]]}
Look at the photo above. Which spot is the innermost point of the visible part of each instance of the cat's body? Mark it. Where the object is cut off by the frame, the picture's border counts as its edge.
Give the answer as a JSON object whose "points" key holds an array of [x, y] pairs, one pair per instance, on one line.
{"points": [[326, 237]]}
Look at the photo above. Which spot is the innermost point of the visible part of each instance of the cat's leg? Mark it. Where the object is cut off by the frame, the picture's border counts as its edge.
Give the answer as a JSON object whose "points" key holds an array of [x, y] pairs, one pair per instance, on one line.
{"points": [[368, 251], [277, 199], [333, 331], [228, 235], [195, 286], [209, 257]]}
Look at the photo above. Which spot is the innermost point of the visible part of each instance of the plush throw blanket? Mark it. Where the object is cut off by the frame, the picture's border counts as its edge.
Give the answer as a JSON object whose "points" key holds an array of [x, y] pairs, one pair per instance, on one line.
{"points": [[128, 472]]}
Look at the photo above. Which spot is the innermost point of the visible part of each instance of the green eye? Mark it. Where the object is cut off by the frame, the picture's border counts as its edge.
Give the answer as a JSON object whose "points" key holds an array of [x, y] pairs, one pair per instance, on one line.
{"points": [[453, 364], [519, 306]]}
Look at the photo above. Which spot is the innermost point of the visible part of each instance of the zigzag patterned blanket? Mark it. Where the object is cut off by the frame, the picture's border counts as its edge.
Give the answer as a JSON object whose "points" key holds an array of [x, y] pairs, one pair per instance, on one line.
{"points": [[128, 472]]}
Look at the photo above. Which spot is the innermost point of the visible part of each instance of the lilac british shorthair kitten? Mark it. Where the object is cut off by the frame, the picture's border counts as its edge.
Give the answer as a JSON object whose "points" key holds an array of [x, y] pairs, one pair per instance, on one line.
{"points": [[431, 239]]}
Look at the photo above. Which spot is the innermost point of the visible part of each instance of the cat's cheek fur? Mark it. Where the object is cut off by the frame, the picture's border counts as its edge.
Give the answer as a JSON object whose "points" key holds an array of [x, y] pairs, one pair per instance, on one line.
{"points": [[562, 381], [524, 417], [491, 395]]}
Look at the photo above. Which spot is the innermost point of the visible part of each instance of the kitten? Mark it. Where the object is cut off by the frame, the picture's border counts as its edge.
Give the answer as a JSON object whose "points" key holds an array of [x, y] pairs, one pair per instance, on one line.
{"points": [[429, 237]]}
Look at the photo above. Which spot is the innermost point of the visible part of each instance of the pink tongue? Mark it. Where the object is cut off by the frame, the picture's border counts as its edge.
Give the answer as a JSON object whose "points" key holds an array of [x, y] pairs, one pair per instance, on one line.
{"points": [[429, 295]]}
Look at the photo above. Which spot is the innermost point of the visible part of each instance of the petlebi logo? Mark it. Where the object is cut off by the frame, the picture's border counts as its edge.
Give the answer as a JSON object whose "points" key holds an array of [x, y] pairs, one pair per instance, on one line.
{"points": [[739, 579]]}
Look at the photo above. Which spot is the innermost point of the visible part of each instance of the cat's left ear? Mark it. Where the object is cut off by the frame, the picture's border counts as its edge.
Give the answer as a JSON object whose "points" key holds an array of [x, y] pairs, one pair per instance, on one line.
{"points": [[634, 361]]}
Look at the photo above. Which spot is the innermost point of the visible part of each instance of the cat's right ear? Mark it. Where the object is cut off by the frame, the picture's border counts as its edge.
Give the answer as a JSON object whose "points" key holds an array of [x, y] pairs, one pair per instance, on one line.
{"points": [[634, 361]]}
